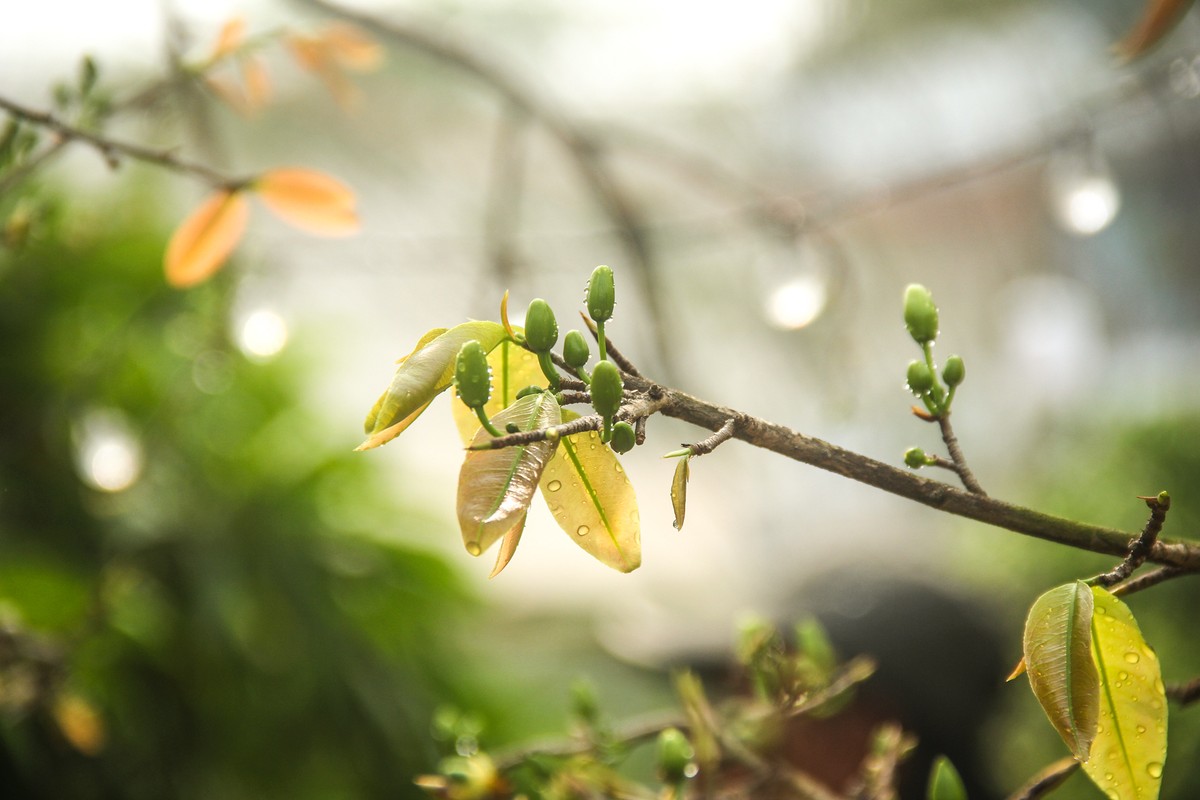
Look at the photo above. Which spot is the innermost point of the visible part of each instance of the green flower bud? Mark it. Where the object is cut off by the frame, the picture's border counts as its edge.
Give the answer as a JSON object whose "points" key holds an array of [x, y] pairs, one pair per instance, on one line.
{"points": [[541, 329], [915, 457], [954, 371], [575, 349], [601, 294], [623, 437], [920, 314], [920, 379], [472, 375], [675, 756], [607, 388]]}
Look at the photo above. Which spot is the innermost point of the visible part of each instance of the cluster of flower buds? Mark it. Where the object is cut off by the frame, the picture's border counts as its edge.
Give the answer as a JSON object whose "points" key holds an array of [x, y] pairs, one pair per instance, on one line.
{"points": [[921, 320]]}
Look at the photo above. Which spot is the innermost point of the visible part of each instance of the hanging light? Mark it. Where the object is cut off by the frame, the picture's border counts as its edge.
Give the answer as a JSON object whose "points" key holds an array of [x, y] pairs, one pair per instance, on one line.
{"points": [[262, 334], [108, 455], [798, 293], [1083, 193]]}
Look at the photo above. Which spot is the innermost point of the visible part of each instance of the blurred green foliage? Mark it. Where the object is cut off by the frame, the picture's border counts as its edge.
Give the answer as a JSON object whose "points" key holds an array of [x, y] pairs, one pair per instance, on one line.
{"points": [[231, 625]]}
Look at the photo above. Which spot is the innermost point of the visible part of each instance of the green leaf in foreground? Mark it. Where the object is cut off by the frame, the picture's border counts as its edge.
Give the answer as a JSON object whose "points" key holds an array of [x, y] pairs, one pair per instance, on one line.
{"points": [[591, 497], [423, 375], [495, 487], [679, 491], [1058, 656], [944, 782], [1131, 738]]}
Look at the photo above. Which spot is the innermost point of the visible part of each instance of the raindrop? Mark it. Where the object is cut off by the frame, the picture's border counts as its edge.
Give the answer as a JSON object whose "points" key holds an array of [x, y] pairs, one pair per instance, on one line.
{"points": [[619, 468], [1141, 728], [473, 548], [554, 486], [1122, 675], [582, 530], [1158, 686], [1155, 769], [1132, 657]]}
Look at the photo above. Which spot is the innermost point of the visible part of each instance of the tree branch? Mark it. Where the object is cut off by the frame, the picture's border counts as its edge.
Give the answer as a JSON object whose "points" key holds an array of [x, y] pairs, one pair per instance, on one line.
{"points": [[956, 456]]}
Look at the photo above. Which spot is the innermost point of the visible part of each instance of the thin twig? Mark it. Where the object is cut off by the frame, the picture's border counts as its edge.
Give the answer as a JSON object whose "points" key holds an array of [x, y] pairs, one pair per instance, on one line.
{"points": [[1046, 780], [1139, 549], [1145, 581], [1185, 693], [960, 463], [642, 405], [707, 445], [112, 150], [15, 176]]}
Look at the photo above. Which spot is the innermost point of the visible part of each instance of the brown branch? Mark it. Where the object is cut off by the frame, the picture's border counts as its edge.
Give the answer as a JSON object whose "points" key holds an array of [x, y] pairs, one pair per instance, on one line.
{"points": [[641, 406], [706, 446], [1185, 693], [956, 456], [823, 455], [1145, 581], [113, 150], [1139, 548], [1046, 780]]}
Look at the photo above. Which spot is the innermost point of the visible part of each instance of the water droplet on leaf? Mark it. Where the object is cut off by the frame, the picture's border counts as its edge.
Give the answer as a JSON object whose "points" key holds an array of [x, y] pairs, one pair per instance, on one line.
{"points": [[583, 530], [554, 486]]}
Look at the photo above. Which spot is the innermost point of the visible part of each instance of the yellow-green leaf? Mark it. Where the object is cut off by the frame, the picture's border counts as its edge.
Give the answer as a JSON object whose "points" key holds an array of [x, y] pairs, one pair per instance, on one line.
{"points": [[513, 368], [679, 491], [422, 376], [495, 487], [1131, 741], [1059, 662], [944, 781], [591, 497]]}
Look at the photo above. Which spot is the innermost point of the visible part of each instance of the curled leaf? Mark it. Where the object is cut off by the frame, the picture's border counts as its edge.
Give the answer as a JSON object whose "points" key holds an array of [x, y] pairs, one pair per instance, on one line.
{"points": [[679, 490], [591, 498], [1131, 741], [421, 376], [495, 487], [203, 241], [1059, 662], [309, 200]]}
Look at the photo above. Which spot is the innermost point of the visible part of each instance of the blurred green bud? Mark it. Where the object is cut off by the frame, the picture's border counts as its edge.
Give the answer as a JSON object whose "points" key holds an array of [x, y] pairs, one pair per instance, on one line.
{"points": [[915, 457], [920, 378], [920, 314], [944, 781], [541, 329], [472, 375], [623, 437], [575, 349], [583, 701], [607, 388], [954, 371], [675, 756], [467, 778], [601, 294]]}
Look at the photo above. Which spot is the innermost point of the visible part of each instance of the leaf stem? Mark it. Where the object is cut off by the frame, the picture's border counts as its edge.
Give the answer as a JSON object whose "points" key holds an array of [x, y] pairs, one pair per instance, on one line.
{"points": [[487, 423]]}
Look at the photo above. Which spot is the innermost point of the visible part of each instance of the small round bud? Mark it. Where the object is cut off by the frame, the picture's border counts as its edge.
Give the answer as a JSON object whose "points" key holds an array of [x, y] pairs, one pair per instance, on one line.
{"points": [[675, 756], [575, 349], [954, 371], [920, 378], [623, 437], [607, 388], [472, 375], [601, 294], [541, 328], [920, 314], [915, 457], [512, 427]]}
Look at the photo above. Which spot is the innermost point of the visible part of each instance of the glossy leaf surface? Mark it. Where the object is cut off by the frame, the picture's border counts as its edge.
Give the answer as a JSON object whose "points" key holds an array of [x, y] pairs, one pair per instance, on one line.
{"points": [[1058, 658], [422, 376], [591, 498], [202, 242], [495, 487], [1131, 740]]}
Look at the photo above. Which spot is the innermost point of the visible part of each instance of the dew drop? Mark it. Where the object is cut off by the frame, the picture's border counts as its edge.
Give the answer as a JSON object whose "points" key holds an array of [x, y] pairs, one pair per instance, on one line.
{"points": [[1158, 686], [582, 530], [1140, 729], [1101, 610], [554, 486], [473, 548], [1121, 676], [1132, 657], [1155, 769], [619, 470]]}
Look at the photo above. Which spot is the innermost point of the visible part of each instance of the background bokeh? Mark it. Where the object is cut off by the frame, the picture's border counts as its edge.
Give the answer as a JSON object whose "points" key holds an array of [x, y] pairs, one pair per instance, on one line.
{"points": [[232, 603]]}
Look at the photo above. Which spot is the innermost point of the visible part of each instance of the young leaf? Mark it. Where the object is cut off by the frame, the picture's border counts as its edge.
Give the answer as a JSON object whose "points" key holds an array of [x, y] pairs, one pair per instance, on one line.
{"points": [[421, 376], [352, 47], [508, 546], [495, 487], [203, 241], [593, 501], [231, 37], [679, 491], [1131, 740], [944, 782], [513, 368], [309, 200], [1059, 662], [1157, 20]]}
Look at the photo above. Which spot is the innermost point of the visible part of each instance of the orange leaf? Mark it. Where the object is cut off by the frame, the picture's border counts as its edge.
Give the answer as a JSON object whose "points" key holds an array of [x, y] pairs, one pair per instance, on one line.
{"points": [[203, 241], [351, 47], [309, 200], [257, 82], [1157, 20], [232, 34]]}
